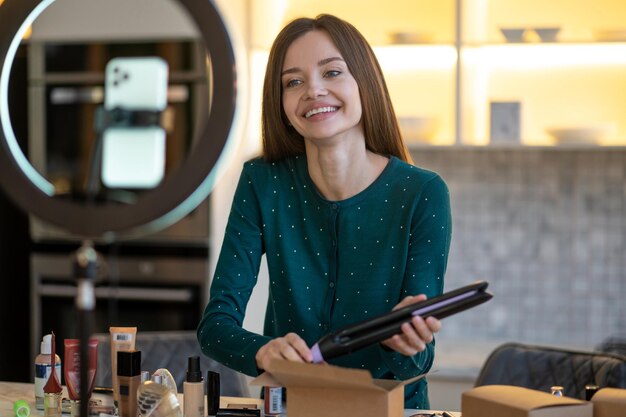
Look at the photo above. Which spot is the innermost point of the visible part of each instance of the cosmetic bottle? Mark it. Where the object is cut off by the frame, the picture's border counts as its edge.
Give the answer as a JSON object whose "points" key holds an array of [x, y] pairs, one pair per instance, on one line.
{"points": [[43, 369], [193, 389], [273, 400], [212, 392], [590, 391], [129, 379], [122, 338], [556, 390]]}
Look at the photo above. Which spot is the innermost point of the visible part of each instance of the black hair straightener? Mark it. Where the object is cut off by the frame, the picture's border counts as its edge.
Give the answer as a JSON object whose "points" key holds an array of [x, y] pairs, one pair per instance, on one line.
{"points": [[360, 335]]}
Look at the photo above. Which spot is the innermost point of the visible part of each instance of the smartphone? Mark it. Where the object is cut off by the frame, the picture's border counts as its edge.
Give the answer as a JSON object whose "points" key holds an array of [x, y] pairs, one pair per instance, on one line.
{"points": [[134, 156]]}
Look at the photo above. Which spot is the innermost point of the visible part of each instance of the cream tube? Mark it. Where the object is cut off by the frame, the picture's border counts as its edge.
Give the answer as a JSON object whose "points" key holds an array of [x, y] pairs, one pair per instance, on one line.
{"points": [[122, 338]]}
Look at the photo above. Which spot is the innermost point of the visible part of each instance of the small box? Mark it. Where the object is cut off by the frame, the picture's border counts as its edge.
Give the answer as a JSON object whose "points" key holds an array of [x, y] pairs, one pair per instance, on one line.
{"points": [[511, 401], [609, 402], [332, 391], [505, 122]]}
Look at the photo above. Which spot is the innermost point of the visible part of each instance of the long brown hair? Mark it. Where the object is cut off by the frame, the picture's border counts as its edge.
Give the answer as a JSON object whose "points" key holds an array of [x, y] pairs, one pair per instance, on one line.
{"points": [[382, 134]]}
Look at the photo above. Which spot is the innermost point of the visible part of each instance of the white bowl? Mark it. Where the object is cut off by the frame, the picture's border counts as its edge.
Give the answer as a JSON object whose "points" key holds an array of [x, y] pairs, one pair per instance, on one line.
{"points": [[547, 34], [584, 135], [417, 129], [513, 34]]}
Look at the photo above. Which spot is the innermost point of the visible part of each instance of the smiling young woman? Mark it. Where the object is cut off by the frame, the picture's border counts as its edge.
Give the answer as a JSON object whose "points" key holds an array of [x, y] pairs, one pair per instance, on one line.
{"points": [[349, 227], [380, 127]]}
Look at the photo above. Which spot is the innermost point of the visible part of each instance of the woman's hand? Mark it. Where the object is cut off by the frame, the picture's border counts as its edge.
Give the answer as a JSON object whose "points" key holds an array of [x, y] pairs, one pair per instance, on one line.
{"points": [[290, 347], [416, 334]]}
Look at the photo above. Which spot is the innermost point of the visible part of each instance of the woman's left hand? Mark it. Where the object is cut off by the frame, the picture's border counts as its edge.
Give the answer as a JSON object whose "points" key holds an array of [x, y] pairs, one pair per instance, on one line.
{"points": [[416, 334]]}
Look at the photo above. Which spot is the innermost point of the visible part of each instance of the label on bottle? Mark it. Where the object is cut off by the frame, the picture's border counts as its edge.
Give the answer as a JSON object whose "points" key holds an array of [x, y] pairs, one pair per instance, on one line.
{"points": [[42, 373], [273, 400], [122, 337]]}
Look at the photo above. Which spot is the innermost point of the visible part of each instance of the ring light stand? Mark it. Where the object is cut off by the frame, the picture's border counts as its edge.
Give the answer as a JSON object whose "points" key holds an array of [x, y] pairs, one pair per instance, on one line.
{"points": [[176, 196]]}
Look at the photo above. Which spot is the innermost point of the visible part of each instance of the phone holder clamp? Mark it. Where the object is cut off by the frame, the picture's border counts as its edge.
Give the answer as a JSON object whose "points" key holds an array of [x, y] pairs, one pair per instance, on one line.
{"points": [[119, 117]]}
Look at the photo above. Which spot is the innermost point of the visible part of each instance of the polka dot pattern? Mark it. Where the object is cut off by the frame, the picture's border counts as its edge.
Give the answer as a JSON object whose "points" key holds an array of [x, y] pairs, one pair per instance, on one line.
{"points": [[331, 263]]}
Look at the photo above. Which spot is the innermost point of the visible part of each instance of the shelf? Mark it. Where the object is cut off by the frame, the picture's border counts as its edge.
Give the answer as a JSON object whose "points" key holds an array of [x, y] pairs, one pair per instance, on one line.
{"points": [[559, 42], [98, 77], [453, 70], [503, 147], [472, 44]]}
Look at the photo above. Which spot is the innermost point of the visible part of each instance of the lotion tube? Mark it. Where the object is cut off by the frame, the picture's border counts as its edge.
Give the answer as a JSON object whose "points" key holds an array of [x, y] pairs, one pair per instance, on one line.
{"points": [[122, 338]]}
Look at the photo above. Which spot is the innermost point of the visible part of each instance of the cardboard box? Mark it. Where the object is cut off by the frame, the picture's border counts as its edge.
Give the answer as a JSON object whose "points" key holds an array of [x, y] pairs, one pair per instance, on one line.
{"points": [[332, 391], [609, 402], [510, 401]]}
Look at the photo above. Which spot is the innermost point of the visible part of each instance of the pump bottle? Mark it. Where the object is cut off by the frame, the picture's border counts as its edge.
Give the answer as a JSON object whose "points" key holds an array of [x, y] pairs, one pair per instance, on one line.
{"points": [[43, 369], [193, 389]]}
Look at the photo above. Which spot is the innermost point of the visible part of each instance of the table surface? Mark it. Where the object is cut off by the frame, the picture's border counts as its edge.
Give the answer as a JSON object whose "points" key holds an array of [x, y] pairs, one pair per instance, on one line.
{"points": [[13, 391]]}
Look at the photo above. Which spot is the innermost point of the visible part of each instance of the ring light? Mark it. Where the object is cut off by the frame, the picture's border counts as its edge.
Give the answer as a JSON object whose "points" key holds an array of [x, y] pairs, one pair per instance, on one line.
{"points": [[178, 194]]}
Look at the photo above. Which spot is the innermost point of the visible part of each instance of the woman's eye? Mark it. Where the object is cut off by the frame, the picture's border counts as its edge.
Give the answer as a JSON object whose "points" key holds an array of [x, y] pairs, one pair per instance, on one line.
{"points": [[332, 73], [292, 83]]}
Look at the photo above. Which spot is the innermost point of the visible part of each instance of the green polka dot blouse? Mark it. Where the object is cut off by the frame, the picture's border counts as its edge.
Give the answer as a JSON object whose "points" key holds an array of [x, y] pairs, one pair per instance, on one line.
{"points": [[331, 263]]}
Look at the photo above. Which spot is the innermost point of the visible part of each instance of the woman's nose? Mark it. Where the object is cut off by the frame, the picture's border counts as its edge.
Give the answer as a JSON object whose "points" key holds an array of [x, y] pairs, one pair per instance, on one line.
{"points": [[315, 89]]}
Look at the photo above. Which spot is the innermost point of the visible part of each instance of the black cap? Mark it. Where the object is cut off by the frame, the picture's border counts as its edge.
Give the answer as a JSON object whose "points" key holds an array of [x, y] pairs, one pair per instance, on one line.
{"points": [[128, 362], [590, 390], [193, 369]]}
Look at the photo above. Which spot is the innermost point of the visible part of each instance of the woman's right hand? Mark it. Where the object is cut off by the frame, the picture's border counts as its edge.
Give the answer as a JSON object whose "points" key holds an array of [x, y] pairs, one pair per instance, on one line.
{"points": [[291, 347]]}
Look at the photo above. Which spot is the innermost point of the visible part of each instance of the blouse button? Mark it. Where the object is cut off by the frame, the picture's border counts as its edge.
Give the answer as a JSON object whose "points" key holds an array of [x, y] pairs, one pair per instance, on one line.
{"points": [[331, 285]]}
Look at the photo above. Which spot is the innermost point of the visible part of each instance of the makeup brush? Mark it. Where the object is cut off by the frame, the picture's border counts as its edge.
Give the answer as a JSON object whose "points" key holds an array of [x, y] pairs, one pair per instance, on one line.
{"points": [[52, 386]]}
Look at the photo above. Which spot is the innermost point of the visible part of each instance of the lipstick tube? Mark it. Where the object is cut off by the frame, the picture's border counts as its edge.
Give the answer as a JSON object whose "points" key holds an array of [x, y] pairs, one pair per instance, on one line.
{"points": [[213, 392]]}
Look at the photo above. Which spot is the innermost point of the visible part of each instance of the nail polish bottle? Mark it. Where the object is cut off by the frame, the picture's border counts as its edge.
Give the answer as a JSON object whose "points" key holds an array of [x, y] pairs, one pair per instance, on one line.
{"points": [[193, 389]]}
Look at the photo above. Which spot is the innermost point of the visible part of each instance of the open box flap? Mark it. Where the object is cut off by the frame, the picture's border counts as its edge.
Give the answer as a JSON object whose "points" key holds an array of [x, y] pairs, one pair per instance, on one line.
{"points": [[295, 374], [390, 384], [266, 380]]}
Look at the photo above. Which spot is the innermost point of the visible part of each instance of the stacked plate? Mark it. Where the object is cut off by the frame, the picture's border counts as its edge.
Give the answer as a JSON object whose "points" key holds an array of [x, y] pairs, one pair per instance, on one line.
{"points": [[582, 135]]}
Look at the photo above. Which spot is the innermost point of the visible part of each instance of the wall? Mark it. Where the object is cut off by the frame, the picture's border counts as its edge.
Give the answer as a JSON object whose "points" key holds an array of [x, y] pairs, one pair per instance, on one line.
{"points": [[81, 20], [547, 228]]}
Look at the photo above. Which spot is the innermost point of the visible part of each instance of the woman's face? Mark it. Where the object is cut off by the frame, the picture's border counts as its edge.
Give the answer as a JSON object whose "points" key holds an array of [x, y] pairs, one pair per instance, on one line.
{"points": [[320, 96]]}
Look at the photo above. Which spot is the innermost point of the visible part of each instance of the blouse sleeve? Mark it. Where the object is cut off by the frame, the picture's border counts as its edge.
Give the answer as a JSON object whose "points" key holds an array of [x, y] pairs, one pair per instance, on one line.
{"points": [[429, 245], [220, 331]]}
